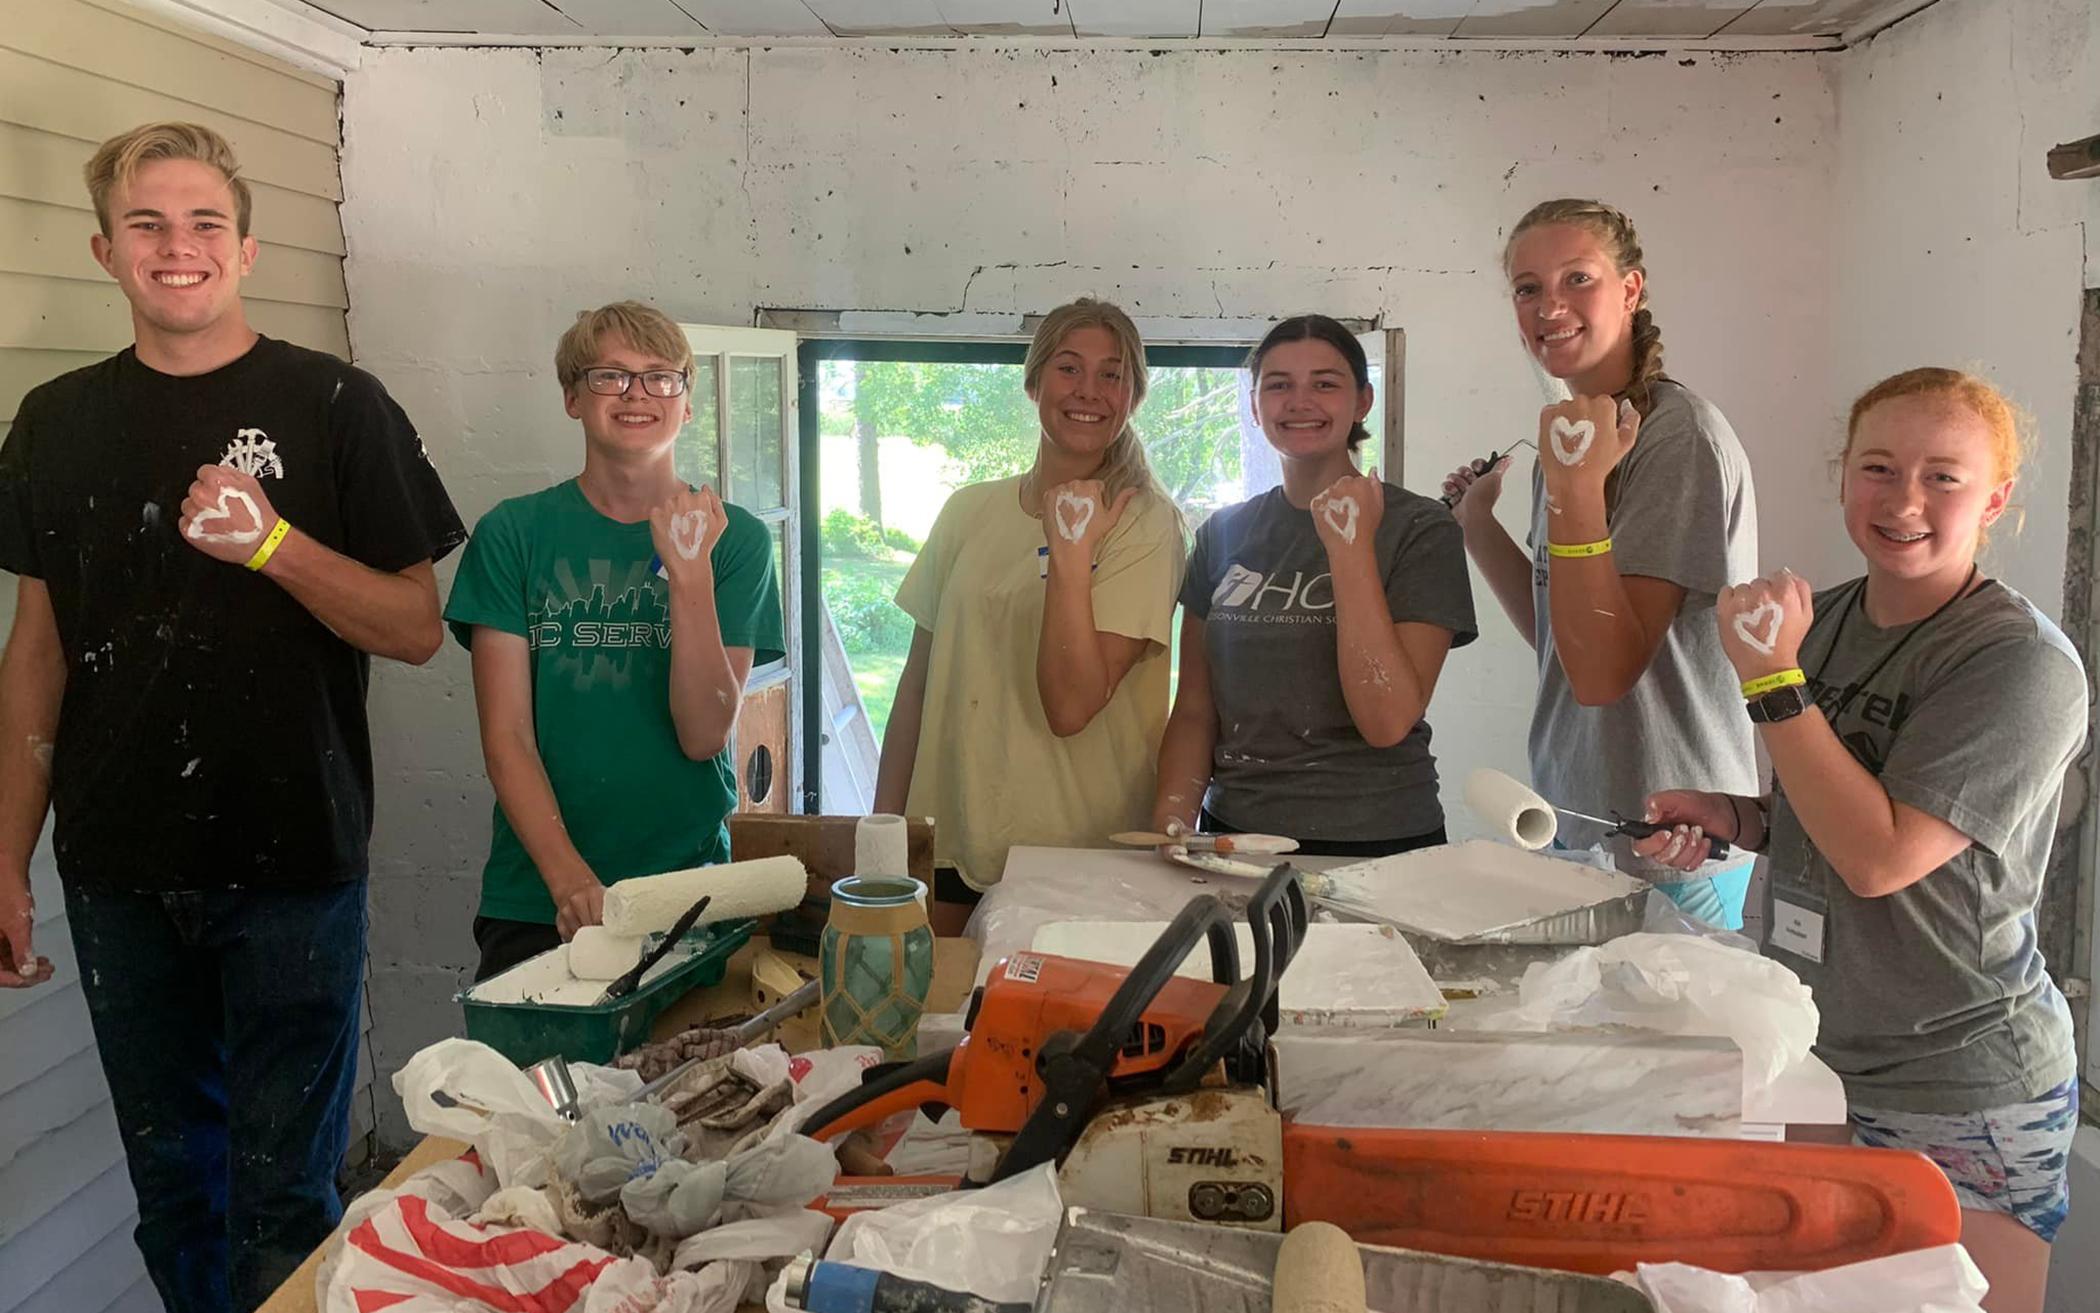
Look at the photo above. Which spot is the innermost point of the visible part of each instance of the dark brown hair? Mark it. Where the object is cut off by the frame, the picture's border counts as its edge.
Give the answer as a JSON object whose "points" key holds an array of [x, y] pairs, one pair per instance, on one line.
{"points": [[1318, 328]]}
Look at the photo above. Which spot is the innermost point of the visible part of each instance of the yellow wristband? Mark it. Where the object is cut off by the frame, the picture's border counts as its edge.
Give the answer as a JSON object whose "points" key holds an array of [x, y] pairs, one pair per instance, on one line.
{"points": [[269, 545], [1577, 550], [1763, 684]]}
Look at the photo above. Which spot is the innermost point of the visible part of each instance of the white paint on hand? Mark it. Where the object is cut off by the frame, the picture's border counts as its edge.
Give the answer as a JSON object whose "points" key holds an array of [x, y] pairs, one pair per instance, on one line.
{"points": [[1580, 432], [1769, 613], [688, 532], [1341, 514], [222, 512], [41, 749], [1073, 527]]}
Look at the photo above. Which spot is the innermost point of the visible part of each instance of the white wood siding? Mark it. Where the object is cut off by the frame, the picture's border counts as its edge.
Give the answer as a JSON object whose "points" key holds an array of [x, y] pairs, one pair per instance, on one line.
{"points": [[73, 73]]}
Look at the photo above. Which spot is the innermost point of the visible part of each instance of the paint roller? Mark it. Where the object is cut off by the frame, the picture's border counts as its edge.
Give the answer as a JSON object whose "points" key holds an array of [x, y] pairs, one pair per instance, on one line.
{"points": [[1318, 1270], [653, 903], [1529, 821]]}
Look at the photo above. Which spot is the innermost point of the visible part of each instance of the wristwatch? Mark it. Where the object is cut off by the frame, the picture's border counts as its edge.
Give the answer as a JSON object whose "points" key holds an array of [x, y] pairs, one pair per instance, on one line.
{"points": [[1777, 705]]}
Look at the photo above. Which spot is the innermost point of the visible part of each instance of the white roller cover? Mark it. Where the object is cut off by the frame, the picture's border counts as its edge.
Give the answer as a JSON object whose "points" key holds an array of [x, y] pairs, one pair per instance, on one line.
{"points": [[654, 903], [598, 954], [1511, 810]]}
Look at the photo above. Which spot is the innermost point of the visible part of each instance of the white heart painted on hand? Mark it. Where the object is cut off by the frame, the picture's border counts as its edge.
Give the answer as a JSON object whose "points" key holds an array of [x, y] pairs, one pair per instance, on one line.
{"points": [[1082, 508], [688, 531], [1746, 626], [1341, 513], [211, 515], [1582, 430]]}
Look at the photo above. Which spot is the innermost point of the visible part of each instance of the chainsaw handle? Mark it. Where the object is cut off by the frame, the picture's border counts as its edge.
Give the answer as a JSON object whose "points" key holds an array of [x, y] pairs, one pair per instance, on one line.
{"points": [[1075, 1067], [1277, 915], [904, 1087]]}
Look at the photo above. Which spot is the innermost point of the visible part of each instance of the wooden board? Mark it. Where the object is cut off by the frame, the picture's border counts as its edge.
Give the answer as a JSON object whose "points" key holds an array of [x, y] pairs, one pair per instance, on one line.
{"points": [[763, 782], [824, 844]]}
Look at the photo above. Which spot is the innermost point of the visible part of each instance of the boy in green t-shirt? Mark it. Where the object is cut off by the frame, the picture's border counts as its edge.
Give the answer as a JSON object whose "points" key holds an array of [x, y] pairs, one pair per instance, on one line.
{"points": [[613, 619]]}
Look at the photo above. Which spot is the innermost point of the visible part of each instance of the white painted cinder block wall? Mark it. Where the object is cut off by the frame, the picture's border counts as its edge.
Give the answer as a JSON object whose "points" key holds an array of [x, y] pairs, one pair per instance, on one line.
{"points": [[1954, 246], [492, 193]]}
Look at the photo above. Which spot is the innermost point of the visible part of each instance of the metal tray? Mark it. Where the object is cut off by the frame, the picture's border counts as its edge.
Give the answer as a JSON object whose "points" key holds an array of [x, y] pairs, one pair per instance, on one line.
{"points": [[1110, 1263]]}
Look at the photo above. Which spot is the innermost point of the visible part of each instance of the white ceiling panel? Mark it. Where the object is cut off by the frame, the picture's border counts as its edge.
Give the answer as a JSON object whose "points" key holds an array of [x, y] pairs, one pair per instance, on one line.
{"points": [[1245, 18], [755, 17], [882, 17], [1398, 17], [523, 17], [1687, 18], [1007, 17], [1136, 18], [1804, 17], [1533, 18], [630, 17], [1568, 24]]}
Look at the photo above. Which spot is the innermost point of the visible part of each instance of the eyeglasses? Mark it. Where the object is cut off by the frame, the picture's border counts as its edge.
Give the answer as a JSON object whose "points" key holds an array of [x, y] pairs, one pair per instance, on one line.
{"points": [[615, 382]]}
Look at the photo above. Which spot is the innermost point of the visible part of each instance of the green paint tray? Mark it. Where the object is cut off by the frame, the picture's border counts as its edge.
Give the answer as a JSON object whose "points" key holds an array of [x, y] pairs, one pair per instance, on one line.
{"points": [[529, 1030]]}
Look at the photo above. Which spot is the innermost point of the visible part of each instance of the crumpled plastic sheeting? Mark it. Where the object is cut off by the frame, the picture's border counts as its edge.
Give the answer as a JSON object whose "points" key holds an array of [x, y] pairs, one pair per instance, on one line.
{"points": [[1937, 1280], [1677, 984], [993, 1243], [468, 1091], [632, 1152]]}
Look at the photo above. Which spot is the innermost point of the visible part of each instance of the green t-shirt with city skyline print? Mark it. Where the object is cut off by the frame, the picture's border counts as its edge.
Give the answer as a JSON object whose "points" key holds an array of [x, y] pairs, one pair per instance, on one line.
{"points": [[585, 592]]}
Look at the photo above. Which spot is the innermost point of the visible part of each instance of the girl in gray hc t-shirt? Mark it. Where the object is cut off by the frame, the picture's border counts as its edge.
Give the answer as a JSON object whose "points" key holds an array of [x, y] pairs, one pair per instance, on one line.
{"points": [[1919, 721], [1642, 512], [1316, 618]]}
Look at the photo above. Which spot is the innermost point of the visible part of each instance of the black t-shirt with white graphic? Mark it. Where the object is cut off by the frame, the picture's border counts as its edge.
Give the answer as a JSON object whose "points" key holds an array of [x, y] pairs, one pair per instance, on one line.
{"points": [[212, 732], [1289, 759]]}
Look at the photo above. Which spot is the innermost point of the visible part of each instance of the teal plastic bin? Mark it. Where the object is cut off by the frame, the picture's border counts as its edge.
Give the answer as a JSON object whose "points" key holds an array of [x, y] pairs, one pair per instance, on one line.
{"points": [[528, 1032]]}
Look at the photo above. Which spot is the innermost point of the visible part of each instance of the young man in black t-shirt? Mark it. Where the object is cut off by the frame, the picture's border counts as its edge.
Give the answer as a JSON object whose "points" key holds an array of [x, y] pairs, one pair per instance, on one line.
{"points": [[213, 531]]}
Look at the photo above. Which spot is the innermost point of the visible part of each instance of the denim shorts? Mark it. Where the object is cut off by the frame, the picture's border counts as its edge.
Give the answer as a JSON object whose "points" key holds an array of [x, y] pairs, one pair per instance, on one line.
{"points": [[2011, 1159]]}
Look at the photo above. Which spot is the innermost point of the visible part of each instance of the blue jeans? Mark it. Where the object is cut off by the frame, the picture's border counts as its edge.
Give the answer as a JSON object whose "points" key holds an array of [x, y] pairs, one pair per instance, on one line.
{"points": [[228, 1027]]}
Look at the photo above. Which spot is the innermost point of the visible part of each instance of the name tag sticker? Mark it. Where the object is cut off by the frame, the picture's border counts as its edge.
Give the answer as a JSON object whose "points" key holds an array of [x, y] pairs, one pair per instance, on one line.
{"points": [[1797, 930]]}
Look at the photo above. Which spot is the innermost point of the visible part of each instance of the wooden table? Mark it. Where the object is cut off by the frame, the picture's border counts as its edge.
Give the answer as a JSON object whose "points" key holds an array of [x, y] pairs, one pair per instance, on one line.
{"points": [[954, 975]]}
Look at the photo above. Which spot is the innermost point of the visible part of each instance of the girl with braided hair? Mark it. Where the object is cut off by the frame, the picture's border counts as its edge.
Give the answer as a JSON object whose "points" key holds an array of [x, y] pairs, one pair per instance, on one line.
{"points": [[1642, 514]]}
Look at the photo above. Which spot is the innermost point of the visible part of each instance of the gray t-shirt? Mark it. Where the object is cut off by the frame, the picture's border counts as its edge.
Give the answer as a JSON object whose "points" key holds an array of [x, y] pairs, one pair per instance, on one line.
{"points": [[1681, 508], [1288, 759], [1933, 997]]}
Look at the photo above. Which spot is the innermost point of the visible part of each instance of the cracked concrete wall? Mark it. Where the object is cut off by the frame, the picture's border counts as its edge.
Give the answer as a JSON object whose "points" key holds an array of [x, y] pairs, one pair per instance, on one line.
{"points": [[1955, 247], [492, 193]]}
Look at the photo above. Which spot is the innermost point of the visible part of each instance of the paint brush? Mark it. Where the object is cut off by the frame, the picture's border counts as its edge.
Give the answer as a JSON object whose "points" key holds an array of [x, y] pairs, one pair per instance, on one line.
{"points": [[625, 985], [1209, 843]]}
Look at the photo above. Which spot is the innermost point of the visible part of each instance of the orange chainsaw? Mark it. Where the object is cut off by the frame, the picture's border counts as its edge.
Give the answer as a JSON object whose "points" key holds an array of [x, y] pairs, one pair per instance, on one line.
{"points": [[1152, 1092]]}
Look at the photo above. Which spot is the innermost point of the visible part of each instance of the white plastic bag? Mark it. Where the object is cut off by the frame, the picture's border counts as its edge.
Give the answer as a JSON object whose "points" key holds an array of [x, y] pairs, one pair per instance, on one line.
{"points": [[468, 1091], [821, 1075], [1676, 984], [993, 1243], [1938, 1280]]}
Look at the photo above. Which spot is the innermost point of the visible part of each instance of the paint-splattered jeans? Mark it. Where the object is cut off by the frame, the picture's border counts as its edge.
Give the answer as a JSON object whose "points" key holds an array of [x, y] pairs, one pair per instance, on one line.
{"points": [[228, 1027]]}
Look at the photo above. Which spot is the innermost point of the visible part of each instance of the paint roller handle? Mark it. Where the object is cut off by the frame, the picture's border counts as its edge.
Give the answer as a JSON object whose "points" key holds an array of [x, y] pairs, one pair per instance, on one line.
{"points": [[1481, 468], [1717, 849]]}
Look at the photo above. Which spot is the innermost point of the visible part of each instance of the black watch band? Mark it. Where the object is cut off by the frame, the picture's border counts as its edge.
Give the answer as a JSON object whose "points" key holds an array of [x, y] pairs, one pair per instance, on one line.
{"points": [[1777, 705]]}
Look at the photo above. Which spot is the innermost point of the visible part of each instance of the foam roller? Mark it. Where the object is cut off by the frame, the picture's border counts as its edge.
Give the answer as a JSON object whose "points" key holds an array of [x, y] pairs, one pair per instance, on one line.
{"points": [[598, 954], [653, 903], [1318, 1270]]}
